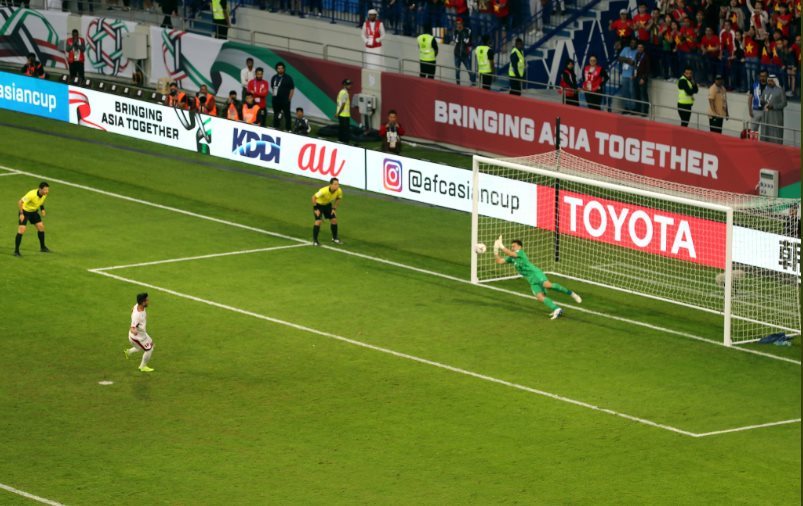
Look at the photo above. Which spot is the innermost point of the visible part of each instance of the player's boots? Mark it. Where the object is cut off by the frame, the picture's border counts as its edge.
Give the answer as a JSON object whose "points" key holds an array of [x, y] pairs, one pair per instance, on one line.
{"points": [[555, 314]]}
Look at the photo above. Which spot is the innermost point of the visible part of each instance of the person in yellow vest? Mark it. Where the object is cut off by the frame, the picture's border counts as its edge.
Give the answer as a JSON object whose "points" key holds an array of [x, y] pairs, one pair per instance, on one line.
{"points": [[250, 112], [485, 62], [427, 53], [343, 113], [29, 206], [516, 71], [220, 15], [686, 91], [232, 109]]}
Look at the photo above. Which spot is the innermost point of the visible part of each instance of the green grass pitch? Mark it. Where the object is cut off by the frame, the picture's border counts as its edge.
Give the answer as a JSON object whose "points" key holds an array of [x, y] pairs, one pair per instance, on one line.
{"points": [[308, 375]]}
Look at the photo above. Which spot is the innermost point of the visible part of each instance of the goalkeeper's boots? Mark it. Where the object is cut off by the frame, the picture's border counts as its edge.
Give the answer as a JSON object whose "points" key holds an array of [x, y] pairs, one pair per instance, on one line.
{"points": [[577, 298], [336, 241], [555, 314]]}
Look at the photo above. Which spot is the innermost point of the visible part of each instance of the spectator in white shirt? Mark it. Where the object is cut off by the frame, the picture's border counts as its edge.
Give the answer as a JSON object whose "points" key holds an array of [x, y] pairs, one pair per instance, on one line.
{"points": [[246, 75]]}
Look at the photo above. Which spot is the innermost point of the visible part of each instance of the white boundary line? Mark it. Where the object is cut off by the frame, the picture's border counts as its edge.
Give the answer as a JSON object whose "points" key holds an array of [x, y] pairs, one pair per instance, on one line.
{"points": [[398, 354], [748, 427], [11, 174], [200, 257], [440, 365], [29, 496], [400, 265]]}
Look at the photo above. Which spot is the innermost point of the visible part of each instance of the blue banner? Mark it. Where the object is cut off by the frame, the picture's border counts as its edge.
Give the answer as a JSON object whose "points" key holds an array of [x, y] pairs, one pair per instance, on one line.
{"points": [[34, 96]]}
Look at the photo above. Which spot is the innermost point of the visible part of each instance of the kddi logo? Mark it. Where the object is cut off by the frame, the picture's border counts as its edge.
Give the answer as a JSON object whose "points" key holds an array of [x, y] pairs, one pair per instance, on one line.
{"points": [[253, 145]]}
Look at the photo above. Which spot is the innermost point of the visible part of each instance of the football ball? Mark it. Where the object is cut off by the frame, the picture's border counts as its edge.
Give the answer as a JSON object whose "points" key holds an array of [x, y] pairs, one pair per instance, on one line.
{"points": [[480, 248]]}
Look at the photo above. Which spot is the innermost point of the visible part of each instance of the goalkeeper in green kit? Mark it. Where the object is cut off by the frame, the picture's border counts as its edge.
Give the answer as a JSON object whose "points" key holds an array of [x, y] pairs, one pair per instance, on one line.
{"points": [[539, 283]]}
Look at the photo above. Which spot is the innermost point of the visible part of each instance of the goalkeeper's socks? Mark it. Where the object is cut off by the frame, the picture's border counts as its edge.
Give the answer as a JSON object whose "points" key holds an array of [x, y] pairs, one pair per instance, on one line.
{"points": [[560, 288], [316, 229], [41, 239], [550, 304], [17, 242], [334, 232]]}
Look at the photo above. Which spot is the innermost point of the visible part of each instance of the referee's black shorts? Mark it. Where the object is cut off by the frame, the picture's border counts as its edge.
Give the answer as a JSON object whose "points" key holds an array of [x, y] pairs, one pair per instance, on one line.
{"points": [[326, 211], [30, 216]]}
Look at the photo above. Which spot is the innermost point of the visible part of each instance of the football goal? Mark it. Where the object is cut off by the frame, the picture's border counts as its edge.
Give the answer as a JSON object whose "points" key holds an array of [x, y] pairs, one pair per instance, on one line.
{"points": [[729, 254]]}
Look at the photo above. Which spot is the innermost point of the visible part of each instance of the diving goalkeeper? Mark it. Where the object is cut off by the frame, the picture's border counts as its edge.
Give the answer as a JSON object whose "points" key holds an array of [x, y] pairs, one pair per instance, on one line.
{"points": [[539, 283]]}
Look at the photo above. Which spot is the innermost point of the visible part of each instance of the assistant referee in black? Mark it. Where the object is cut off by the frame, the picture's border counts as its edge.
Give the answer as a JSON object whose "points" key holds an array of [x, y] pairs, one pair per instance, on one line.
{"points": [[324, 205], [30, 206]]}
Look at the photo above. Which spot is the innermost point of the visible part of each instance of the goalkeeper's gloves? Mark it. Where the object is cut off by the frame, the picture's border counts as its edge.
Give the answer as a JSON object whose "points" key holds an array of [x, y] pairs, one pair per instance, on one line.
{"points": [[498, 245]]}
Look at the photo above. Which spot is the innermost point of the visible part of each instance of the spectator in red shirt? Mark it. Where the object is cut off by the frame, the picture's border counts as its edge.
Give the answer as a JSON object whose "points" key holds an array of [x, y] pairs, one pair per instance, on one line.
{"points": [[771, 55], [259, 88], [501, 10], [622, 28], [642, 22], [711, 54], [568, 85], [783, 21], [751, 56], [681, 11]]}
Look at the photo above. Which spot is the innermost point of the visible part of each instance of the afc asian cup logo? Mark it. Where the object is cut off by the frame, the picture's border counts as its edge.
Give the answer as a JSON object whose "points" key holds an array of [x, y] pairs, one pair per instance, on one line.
{"points": [[174, 60], [105, 46]]}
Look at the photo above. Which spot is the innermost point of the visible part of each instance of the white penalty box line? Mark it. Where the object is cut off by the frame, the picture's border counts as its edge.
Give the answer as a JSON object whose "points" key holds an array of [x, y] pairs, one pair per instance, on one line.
{"points": [[422, 271], [440, 365]]}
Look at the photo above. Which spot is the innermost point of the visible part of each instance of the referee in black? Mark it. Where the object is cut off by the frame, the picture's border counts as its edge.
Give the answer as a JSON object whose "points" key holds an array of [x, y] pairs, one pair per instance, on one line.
{"points": [[282, 89], [30, 205]]}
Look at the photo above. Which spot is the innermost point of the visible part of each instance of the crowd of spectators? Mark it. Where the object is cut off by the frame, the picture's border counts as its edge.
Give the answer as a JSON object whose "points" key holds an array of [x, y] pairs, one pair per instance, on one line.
{"points": [[732, 38]]}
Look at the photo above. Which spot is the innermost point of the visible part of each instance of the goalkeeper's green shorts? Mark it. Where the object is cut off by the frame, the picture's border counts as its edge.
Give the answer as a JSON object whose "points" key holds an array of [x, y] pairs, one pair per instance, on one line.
{"points": [[537, 288], [537, 281]]}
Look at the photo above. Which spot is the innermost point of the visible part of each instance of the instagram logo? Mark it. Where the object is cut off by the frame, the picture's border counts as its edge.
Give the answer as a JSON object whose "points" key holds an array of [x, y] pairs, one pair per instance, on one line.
{"points": [[392, 175]]}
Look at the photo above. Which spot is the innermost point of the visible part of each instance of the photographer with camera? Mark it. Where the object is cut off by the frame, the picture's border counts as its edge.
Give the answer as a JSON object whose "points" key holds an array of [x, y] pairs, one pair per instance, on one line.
{"points": [[391, 134], [205, 102]]}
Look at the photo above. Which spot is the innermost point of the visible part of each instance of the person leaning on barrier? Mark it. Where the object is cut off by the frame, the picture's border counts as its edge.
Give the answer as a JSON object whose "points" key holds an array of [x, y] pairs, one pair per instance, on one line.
{"points": [[251, 112], [687, 88], [427, 53], [205, 102], [485, 62], [568, 84], [220, 15], [232, 109], [32, 67], [391, 134], [516, 71]]}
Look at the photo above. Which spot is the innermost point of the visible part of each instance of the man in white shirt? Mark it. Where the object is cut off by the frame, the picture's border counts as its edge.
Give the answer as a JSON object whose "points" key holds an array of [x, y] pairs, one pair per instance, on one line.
{"points": [[246, 75], [138, 334], [373, 31]]}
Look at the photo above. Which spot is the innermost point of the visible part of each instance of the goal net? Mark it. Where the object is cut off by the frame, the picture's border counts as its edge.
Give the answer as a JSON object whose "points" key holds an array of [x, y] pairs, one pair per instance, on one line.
{"points": [[729, 254]]}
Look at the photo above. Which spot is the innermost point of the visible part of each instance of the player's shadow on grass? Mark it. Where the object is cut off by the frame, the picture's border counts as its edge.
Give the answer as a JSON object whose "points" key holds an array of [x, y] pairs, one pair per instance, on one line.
{"points": [[141, 387]]}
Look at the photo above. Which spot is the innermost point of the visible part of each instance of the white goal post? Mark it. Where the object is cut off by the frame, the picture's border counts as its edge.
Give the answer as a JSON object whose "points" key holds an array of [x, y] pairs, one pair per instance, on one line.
{"points": [[733, 256]]}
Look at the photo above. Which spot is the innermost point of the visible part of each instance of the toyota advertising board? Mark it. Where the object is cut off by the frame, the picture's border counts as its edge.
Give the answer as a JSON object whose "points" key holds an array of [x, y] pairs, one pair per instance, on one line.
{"points": [[450, 187]]}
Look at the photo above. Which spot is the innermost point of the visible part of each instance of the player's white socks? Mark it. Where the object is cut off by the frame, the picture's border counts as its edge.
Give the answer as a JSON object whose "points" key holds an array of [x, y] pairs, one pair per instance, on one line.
{"points": [[145, 358], [132, 349]]}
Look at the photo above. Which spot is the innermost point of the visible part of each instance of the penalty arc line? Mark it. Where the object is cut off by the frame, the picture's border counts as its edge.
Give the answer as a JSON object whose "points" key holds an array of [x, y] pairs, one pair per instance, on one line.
{"points": [[398, 354], [29, 496], [400, 265]]}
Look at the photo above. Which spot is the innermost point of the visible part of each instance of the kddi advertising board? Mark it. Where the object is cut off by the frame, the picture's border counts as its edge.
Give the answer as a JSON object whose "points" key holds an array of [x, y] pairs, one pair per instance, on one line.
{"points": [[286, 152], [139, 119], [450, 187]]}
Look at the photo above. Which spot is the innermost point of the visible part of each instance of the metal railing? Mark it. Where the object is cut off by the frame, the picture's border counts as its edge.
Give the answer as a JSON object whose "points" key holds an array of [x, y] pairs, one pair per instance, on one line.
{"points": [[612, 101]]}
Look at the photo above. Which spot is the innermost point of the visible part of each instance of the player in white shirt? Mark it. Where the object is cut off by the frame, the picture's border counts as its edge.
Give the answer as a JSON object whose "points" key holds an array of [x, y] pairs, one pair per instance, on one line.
{"points": [[138, 334]]}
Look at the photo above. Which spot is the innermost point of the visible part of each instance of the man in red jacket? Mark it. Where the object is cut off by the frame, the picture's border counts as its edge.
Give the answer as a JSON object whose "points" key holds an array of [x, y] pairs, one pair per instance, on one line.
{"points": [[75, 55], [259, 88]]}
